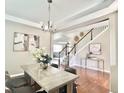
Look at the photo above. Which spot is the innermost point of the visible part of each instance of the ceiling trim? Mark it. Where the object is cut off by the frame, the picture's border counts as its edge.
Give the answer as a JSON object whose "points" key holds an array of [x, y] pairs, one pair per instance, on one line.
{"points": [[21, 21], [76, 14], [103, 12], [100, 24], [110, 9]]}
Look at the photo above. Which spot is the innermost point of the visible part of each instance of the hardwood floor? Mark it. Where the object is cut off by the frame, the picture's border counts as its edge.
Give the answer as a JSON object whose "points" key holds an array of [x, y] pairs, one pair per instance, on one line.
{"points": [[91, 81]]}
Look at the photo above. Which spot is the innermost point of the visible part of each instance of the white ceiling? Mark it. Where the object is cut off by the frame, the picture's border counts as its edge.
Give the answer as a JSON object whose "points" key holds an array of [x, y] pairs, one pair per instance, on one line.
{"points": [[37, 10], [63, 12]]}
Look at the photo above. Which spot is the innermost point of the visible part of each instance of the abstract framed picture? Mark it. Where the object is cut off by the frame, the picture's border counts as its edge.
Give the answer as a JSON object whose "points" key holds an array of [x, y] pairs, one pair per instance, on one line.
{"points": [[33, 42], [20, 42], [95, 48]]}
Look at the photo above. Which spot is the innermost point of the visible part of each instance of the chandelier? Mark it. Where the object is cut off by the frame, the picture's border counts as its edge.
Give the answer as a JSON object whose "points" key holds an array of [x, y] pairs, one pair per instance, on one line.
{"points": [[49, 25]]}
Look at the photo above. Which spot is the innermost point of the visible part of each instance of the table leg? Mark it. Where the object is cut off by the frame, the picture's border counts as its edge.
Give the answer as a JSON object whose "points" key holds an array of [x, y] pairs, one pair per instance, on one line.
{"points": [[28, 78], [103, 65], [70, 87], [54, 91], [85, 63], [98, 64]]}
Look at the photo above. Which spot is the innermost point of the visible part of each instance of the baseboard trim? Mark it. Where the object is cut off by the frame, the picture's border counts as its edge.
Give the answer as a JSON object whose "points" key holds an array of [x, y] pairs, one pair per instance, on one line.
{"points": [[16, 75], [98, 69], [92, 68]]}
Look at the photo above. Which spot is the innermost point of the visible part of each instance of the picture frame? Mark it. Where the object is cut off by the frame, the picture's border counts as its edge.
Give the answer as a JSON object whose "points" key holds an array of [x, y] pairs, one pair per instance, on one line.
{"points": [[95, 48], [20, 42], [33, 42], [25, 42]]}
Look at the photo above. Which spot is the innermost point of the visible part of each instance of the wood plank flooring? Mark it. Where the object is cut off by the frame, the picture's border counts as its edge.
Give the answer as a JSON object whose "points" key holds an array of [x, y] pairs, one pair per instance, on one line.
{"points": [[91, 81]]}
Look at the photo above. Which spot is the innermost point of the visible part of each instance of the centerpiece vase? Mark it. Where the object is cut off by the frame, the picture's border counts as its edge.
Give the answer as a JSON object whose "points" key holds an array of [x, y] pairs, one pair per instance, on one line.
{"points": [[44, 66]]}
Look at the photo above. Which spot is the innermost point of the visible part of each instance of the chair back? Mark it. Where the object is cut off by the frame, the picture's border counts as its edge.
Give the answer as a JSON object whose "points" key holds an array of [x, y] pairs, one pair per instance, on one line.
{"points": [[7, 75], [71, 70], [54, 65]]}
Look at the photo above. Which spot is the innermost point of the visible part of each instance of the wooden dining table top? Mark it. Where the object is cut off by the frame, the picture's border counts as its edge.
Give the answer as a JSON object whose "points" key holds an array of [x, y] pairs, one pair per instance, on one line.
{"points": [[49, 78]]}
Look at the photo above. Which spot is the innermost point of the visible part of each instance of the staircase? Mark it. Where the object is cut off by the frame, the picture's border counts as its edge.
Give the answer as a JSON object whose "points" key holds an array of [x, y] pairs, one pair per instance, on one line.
{"points": [[71, 52]]}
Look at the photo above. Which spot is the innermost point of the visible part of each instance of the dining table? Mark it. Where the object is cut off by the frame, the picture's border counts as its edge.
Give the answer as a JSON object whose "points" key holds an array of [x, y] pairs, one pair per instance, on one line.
{"points": [[50, 79]]}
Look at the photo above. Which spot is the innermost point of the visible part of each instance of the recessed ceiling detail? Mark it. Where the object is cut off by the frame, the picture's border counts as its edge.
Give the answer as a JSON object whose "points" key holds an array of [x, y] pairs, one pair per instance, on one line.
{"points": [[36, 10]]}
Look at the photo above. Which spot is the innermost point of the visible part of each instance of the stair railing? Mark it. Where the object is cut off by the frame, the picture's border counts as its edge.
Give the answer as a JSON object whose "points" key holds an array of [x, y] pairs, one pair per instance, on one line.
{"points": [[75, 45], [65, 49]]}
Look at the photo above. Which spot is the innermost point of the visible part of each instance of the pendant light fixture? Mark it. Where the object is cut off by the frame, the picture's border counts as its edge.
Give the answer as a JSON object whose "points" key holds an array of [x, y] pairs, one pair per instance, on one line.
{"points": [[49, 25]]}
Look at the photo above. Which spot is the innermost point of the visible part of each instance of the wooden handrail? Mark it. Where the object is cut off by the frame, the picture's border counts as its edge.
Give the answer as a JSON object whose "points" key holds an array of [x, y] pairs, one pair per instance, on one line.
{"points": [[64, 48], [84, 36], [71, 49], [79, 41]]}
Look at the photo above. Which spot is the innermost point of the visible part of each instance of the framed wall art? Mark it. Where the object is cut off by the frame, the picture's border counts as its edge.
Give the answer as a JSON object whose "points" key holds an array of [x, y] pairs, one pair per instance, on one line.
{"points": [[95, 48], [20, 42], [25, 42], [33, 42]]}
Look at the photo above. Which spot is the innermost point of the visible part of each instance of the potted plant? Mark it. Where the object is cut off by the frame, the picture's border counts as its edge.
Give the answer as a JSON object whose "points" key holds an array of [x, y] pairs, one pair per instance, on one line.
{"points": [[42, 57], [45, 60]]}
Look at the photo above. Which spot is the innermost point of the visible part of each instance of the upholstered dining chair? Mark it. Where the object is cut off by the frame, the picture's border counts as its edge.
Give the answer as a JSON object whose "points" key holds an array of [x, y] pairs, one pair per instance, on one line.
{"points": [[14, 82], [73, 71], [18, 85], [54, 65], [23, 89]]}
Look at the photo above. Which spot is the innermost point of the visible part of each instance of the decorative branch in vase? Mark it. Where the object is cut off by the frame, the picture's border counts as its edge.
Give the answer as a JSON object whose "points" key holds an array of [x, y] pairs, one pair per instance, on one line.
{"points": [[42, 57]]}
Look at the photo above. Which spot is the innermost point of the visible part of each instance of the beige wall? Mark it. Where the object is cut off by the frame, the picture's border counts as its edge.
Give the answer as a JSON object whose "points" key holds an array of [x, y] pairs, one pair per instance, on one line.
{"points": [[15, 59]]}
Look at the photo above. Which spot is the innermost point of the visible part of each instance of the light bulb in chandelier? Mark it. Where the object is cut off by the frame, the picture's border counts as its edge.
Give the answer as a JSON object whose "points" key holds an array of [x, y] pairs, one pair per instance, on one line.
{"points": [[50, 24], [46, 27], [42, 26]]}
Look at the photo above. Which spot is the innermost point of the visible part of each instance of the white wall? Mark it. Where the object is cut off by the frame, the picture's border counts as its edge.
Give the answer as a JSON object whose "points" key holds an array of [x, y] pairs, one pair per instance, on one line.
{"points": [[15, 59], [105, 54], [114, 51]]}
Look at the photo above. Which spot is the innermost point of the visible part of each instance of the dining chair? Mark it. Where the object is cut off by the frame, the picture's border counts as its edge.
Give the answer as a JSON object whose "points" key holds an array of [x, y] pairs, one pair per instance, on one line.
{"points": [[14, 82], [73, 71], [54, 65], [23, 89], [41, 91]]}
